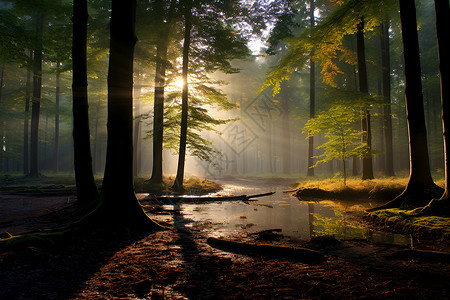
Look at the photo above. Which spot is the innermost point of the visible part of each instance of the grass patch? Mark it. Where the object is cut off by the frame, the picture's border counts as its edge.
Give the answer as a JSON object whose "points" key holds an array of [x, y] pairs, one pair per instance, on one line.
{"points": [[380, 188], [192, 186]]}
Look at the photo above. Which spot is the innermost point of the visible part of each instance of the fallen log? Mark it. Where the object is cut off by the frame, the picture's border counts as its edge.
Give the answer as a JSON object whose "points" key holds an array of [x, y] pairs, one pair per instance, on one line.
{"points": [[187, 199], [294, 253]]}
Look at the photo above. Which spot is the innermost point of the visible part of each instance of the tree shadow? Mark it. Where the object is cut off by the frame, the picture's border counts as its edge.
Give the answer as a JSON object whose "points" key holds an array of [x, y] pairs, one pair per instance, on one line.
{"points": [[202, 267], [59, 271]]}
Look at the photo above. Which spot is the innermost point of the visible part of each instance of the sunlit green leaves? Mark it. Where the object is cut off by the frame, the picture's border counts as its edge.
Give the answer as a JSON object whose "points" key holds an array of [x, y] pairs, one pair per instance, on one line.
{"points": [[327, 40], [338, 126]]}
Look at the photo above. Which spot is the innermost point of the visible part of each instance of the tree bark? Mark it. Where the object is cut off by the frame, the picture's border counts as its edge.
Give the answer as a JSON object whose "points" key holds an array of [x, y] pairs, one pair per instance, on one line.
{"points": [[178, 184], [420, 188], [36, 100], [420, 174], [286, 129], [387, 115], [312, 96], [442, 24], [367, 169], [86, 189], [2, 134], [119, 207], [56, 139], [26, 125], [158, 110], [137, 130], [160, 82]]}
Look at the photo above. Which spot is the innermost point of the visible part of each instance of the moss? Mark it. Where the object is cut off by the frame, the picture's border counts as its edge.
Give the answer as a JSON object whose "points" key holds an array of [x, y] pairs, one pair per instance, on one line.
{"points": [[429, 226]]}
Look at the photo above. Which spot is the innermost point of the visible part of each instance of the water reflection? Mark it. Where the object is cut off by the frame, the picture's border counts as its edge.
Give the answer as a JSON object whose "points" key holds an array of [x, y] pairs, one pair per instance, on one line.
{"points": [[283, 211]]}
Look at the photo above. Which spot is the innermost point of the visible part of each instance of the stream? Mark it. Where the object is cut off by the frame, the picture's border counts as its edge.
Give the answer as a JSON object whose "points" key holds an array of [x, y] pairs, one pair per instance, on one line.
{"points": [[281, 211]]}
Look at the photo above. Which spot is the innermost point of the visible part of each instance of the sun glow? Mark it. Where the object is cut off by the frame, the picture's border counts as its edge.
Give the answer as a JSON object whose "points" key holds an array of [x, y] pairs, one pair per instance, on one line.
{"points": [[178, 83]]}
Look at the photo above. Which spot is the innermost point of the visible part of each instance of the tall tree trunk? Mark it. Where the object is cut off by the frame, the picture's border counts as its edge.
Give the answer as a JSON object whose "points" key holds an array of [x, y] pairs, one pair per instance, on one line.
{"points": [[442, 24], [285, 127], [420, 174], [387, 116], [355, 159], [367, 170], [178, 184], [312, 95], [160, 82], [36, 100], [119, 207], [86, 189], [137, 130], [158, 111], [26, 125], [2, 134], [96, 160], [56, 140], [420, 188]]}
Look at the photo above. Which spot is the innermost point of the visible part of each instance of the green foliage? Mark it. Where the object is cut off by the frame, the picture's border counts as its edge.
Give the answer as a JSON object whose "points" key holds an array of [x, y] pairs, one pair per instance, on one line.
{"points": [[337, 125], [327, 40]]}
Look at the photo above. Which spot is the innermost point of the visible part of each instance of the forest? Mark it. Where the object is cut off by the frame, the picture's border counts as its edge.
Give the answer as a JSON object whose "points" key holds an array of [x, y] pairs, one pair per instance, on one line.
{"points": [[193, 149]]}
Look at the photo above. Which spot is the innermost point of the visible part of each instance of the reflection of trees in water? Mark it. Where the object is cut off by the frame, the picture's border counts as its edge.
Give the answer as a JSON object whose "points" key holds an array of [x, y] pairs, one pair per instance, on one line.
{"points": [[337, 226]]}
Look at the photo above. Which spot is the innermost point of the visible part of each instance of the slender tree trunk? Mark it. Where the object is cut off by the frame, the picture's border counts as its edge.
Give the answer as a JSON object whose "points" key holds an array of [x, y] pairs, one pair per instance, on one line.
{"points": [[57, 100], [96, 160], [269, 145], [178, 184], [158, 114], [26, 125], [367, 170], [312, 96], [137, 131], [355, 159], [286, 130], [387, 115], [160, 82], [36, 100], [86, 189]]}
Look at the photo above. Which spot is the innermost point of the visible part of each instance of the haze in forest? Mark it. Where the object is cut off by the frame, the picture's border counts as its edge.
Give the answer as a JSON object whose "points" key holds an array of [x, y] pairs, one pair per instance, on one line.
{"points": [[262, 131]]}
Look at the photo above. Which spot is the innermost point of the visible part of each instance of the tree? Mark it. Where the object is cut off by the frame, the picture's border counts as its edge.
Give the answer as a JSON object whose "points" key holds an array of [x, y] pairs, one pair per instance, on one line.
{"points": [[343, 140], [85, 182], [162, 43], [386, 79], [118, 206], [367, 170], [36, 98], [442, 24], [442, 12], [187, 13], [420, 188], [312, 95]]}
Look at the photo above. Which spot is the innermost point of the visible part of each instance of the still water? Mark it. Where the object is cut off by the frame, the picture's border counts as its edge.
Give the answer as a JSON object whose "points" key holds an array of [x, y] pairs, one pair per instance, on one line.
{"points": [[282, 210]]}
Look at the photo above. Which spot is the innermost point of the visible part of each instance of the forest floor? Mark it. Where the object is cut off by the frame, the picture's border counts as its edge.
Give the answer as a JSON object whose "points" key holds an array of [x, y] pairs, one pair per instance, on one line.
{"points": [[181, 264]]}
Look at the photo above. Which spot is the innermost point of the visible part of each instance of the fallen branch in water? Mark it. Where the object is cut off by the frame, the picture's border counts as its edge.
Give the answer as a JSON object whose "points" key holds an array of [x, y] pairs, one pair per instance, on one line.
{"points": [[295, 253], [187, 199]]}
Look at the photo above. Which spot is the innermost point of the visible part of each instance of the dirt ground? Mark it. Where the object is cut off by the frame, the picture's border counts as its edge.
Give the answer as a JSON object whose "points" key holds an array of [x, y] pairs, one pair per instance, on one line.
{"points": [[182, 265]]}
